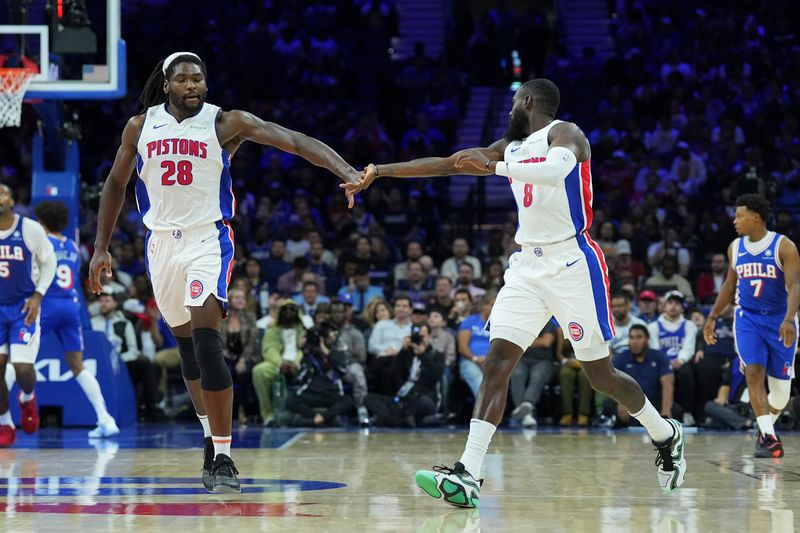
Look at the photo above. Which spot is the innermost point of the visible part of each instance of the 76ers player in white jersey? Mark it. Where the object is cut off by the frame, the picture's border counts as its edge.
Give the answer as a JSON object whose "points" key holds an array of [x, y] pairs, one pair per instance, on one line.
{"points": [[181, 148], [559, 272]]}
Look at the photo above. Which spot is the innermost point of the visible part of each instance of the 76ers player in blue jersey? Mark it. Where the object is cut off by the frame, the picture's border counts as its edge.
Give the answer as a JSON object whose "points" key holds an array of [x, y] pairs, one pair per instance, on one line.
{"points": [[24, 247], [763, 276], [61, 312], [559, 272], [181, 147]]}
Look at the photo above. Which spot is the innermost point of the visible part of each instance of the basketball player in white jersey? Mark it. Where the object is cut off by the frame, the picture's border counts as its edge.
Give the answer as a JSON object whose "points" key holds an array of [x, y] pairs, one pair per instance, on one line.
{"points": [[181, 148], [559, 272]]}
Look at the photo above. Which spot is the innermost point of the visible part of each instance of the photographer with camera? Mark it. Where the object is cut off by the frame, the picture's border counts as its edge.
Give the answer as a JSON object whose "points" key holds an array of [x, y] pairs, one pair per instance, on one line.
{"points": [[416, 370], [320, 399]]}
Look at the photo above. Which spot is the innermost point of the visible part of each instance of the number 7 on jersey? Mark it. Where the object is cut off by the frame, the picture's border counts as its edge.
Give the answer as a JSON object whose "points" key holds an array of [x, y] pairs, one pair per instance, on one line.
{"points": [[759, 285]]}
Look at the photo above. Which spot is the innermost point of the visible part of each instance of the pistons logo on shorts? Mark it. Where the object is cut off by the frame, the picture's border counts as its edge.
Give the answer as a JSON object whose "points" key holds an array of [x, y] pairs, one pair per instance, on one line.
{"points": [[195, 289], [24, 336], [787, 369], [575, 331]]}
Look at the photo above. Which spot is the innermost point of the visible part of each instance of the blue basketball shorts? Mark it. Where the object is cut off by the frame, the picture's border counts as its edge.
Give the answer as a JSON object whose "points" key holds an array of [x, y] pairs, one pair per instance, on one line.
{"points": [[756, 338], [16, 338], [61, 316]]}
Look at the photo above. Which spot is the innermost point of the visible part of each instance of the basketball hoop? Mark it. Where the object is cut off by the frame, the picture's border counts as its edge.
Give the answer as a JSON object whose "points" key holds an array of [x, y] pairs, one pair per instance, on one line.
{"points": [[13, 84]]}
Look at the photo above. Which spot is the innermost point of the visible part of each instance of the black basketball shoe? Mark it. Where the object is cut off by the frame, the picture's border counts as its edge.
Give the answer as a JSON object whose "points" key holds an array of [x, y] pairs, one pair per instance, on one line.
{"points": [[224, 475], [768, 446]]}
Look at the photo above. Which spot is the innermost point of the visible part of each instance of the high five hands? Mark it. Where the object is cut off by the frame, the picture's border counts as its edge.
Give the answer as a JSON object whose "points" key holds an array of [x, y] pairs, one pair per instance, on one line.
{"points": [[368, 175]]}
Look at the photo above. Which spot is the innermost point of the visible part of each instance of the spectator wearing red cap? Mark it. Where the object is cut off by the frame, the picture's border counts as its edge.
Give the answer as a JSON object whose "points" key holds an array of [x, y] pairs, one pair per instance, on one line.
{"points": [[648, 306]]}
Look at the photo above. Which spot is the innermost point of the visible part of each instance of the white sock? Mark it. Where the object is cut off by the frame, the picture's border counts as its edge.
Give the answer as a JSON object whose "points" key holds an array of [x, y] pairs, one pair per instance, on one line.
{"points": [[5, 419], [775, 417], [765, 425], [222, 445], [659, 429], [206, 426], [91, 388], [25, 397], [480, 435]]}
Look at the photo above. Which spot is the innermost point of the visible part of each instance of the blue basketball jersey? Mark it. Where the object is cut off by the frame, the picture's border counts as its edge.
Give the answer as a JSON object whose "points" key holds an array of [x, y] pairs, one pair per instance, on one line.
{"points": [[671, 342], [16, 264], [67, 269], [760, 284]]}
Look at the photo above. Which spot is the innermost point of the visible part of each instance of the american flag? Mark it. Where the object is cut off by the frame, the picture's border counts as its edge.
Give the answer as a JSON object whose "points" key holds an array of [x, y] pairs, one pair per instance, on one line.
{"points": [[95, 73]]}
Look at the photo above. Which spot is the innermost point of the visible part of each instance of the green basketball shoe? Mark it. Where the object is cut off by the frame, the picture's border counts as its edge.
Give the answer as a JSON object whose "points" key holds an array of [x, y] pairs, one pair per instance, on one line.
{"points": [[454, 485], [670, 460]]}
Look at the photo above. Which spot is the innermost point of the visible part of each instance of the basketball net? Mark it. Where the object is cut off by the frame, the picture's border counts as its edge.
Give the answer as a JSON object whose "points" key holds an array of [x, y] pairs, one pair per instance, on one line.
{"points": [[13, 84]]}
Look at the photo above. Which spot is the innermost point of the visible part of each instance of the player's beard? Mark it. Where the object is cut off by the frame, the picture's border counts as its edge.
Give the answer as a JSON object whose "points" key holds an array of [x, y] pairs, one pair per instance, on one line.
{"points": [[517, 126], [180, 104]]}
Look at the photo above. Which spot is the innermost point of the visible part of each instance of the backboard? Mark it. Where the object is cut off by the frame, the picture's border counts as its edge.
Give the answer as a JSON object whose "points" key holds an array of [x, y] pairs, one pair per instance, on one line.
{"points": [[75, 45]]}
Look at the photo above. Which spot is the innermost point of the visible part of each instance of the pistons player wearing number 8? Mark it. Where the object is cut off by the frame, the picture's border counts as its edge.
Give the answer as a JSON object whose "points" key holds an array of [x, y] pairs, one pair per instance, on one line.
{"points": [[559, 272], [763, 283], [23, 247], [61, 311], [181, 148]]}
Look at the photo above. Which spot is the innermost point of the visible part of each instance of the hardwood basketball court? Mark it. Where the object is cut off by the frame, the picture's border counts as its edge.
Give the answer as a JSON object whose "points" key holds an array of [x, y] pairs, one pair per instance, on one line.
{"points": [[293, 480]]}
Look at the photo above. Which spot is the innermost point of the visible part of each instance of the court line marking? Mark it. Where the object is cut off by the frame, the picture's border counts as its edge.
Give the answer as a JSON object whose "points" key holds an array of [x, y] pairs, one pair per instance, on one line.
{"points": [[291, 441]]}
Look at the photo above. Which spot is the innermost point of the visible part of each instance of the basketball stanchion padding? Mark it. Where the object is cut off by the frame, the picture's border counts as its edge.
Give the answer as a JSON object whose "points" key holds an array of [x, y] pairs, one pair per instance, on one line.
{"points": [[13, 84]]}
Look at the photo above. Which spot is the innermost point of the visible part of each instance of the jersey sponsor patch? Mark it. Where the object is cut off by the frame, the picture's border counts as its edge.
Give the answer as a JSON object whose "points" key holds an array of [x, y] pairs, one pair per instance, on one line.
{"points": [[575, 331], [195, 289]]}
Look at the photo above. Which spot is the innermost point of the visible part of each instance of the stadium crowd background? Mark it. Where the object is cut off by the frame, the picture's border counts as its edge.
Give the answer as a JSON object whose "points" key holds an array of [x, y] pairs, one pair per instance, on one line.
{"points": [[698, 104]]}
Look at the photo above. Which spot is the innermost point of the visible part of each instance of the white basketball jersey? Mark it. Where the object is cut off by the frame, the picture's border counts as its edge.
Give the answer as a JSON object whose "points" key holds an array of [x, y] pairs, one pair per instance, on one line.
{"points": [[549, 215], [184, 178]]}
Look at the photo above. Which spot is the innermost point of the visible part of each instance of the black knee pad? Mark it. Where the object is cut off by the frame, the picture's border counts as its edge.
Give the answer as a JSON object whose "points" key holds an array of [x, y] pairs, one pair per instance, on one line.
{"points": [[189, 368], [214, 373]]}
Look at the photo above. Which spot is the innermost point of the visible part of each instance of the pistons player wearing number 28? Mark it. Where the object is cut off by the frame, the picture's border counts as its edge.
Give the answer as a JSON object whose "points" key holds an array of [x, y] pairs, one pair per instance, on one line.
{"points": [[559, 272], [181, 148], [763, 284]]}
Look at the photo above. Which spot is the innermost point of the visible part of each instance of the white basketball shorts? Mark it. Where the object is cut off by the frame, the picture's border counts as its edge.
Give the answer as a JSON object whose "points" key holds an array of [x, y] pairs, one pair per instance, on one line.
{"points": [[567, 280], [188, 266]]}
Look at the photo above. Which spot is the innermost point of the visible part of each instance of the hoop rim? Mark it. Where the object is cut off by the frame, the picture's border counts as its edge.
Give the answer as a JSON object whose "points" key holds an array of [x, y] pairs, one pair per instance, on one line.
{"points": [[23, 74]]}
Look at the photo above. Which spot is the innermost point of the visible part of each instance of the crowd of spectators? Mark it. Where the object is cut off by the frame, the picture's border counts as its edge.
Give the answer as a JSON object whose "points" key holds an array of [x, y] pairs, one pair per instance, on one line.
{"points": [[378, 311]]}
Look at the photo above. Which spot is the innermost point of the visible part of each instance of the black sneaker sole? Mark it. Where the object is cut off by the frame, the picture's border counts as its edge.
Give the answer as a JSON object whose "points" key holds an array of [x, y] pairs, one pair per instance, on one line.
{"points": [[766, 455]]}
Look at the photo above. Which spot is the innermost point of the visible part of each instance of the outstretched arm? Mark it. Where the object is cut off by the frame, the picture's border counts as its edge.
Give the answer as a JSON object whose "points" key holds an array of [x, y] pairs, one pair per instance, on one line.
{"points": [[791, 270], [111, 202], [239, 126], [431, 167]]}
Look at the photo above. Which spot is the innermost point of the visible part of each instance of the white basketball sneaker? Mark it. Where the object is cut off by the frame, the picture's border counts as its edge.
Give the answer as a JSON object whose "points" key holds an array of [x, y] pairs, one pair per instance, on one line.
{"points": [[670, 460], [454, 485], [104, 430]]}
